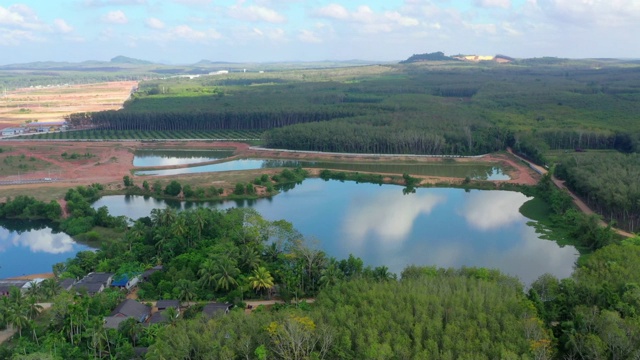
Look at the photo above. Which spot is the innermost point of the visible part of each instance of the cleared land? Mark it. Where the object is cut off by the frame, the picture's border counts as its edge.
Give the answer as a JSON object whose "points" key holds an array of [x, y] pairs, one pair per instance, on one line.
{"points": [[81, 163], [46, 104]]}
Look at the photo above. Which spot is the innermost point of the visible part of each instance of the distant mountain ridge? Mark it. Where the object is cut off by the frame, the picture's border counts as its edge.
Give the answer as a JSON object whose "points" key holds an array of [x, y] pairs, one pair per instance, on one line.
{"points": [[434, 56], [120, 59]]}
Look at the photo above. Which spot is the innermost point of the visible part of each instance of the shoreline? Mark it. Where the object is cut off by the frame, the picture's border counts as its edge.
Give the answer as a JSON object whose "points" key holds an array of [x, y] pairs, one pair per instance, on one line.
{"points": [[32, 276]]}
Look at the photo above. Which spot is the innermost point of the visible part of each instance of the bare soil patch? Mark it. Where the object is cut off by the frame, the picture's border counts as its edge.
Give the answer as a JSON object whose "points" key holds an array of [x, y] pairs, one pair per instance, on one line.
{"points": [[48, 104], [108, 162]]}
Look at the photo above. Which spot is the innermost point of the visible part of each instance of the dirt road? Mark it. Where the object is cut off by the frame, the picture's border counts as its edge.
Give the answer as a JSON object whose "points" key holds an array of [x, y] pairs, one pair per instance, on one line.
{"points": [[576, 200]]}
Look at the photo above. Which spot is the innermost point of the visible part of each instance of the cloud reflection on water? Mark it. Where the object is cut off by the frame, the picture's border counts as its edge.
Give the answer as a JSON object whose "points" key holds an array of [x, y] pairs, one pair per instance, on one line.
{"points": [[387, 217], [37, 241], [490, 210]]}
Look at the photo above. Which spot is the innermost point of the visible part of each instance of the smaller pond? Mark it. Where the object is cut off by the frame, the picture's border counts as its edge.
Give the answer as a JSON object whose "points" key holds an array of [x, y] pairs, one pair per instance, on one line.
{"points": [[474, 171], [151, 158], [30, 247]]}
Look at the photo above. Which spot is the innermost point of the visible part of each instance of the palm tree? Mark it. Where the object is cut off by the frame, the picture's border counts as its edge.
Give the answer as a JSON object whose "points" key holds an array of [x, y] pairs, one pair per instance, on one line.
{"points": [[33, 308], [34, 289], [15, 297], [226, 273], [331, 275], [249, 257], [50, 288], [186, 290], [207, 273], [18, 318], [381, 273], [261, 279], [171, 314]]}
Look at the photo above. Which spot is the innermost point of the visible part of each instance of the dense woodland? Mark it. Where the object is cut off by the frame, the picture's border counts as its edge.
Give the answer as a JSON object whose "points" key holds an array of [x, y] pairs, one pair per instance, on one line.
{"points": [[360, 312], [440, 107], [608, 182]]}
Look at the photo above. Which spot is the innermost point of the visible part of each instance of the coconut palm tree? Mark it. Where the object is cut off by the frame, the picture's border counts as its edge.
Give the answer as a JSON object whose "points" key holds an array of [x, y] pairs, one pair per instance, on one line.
{"points": [[171, 314], [186, 290], [249, 258], [207, 273], [32, 307], [261, 279], [50, 288], [226, 273], [331, 275]]}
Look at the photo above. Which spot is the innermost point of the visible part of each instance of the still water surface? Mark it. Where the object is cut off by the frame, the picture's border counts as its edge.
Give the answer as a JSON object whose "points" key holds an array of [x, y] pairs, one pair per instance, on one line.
{"points": [[150, 158], [32, 248], [434, 226], [474, 171]]}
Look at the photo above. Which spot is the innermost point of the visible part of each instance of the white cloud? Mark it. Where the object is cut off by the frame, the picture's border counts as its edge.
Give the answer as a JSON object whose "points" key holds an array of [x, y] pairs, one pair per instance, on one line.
{"points": [[10, 17], [16, 37], [104, 3], [333, 11], [255, 13], [387, 217], [185, 32], [605, 13], [364, 20], [116, 17], [489, 210], [193, 2], [154, 23], [309, 37], [37, 241], [62, 26], [504, 4], [20, 16]]}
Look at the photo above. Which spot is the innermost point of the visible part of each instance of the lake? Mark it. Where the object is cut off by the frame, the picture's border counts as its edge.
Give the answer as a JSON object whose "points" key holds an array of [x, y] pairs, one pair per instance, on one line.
{"points": [[28, 247], [152, 158], [455, 170], [435, 226]]}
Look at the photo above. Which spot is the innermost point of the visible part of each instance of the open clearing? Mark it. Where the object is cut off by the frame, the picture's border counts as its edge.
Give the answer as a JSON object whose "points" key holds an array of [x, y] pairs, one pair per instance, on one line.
{"points": [[107, 163], [46, 104]]}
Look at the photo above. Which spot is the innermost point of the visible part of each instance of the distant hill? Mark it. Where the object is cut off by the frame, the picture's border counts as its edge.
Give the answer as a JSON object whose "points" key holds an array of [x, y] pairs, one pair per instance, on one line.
{"points": [[127, 60], [205, 62], [435, 56]]}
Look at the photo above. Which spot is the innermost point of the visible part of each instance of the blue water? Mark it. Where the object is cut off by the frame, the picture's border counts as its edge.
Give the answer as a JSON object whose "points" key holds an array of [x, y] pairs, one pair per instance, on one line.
{"points": [[152, 158], [33, 251], [473, 171], [434, 226]]}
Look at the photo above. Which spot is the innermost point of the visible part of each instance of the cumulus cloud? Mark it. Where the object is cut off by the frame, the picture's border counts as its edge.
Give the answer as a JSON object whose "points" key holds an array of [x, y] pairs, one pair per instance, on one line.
{"points": [[20, 16], [154, 23], [185, 32], [606, 13], [504, 4], [37, 241], [490, 210], [365, 20], [309, 37], [193, 2], [104, 3], [333, 11], [116, 17], [387, 217], [62, 26], [255, 13]]}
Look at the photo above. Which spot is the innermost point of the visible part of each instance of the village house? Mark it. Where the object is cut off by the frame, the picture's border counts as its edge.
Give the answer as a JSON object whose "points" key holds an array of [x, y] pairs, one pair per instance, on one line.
{"points": [[125, 310], [125, 282], [94, 283], [212, 309]]}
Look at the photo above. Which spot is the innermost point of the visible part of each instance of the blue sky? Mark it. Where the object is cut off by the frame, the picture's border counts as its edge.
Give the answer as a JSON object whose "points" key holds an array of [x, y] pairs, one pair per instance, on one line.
{"points": [[186, 31]]}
